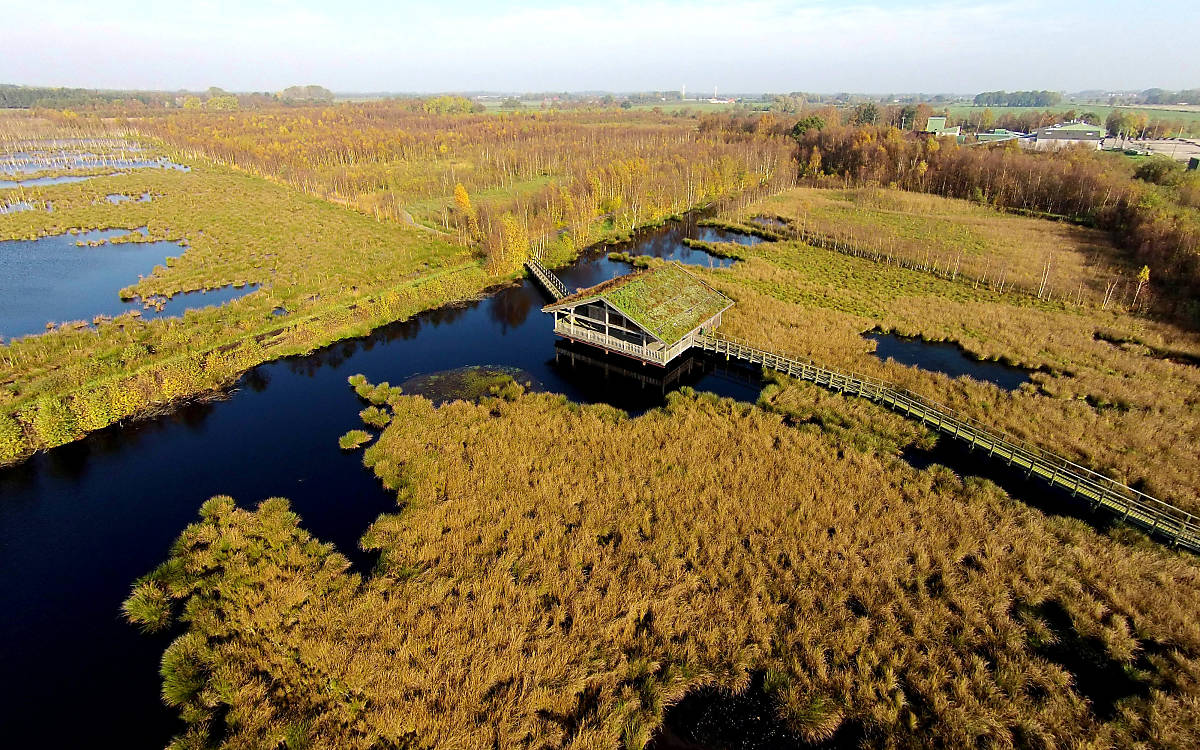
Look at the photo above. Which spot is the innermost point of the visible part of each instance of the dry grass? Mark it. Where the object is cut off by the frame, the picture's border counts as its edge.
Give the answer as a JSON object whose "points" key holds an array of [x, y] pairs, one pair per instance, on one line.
{"points": [[556, 576], [975, 242], [1130, 409]]}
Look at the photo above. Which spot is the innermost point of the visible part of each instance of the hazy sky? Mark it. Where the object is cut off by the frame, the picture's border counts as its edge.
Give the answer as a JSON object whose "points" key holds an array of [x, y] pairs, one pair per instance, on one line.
{"points": [[764, 46]]}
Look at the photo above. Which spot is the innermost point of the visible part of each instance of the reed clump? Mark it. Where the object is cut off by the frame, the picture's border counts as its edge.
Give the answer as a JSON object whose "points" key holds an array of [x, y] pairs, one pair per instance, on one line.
{"points": [[354, 439], [557, 575]]}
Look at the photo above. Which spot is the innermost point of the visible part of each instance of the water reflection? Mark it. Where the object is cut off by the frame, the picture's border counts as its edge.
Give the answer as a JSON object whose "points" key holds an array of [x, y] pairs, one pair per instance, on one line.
{"points": [[946, 358]]}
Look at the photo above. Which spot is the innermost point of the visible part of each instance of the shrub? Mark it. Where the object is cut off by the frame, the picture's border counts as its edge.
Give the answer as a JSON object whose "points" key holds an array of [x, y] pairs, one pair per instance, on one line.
{"points": [[53, 422]]}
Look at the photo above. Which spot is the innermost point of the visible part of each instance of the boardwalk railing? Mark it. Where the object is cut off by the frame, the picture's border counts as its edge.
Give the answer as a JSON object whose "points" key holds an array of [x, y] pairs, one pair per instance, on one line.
{"points": [[548, 280], [1135, 507]]}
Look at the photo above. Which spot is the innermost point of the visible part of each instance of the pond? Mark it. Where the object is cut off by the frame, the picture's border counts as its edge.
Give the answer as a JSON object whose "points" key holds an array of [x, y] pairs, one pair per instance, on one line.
{"points": [[38, 181], [15, 206], [948, 359], [666, 242], [40, 163], [770, 222], [714, 719], [118, 198], [83, 521], [58, 279]]}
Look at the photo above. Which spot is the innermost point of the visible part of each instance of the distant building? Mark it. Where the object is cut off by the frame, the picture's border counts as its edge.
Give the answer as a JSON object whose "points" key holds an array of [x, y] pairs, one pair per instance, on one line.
{"points": [[1068, 134], [998, 135], [937, 127]]}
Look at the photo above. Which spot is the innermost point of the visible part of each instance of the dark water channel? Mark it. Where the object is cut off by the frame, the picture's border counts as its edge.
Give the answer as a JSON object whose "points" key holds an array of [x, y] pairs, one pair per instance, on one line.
{"points": [[80, 523], [946, 358]]}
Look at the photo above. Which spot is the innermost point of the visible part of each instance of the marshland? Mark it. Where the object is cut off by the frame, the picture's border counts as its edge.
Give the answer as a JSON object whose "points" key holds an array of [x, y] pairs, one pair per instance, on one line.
{"points": [[520, 542]]}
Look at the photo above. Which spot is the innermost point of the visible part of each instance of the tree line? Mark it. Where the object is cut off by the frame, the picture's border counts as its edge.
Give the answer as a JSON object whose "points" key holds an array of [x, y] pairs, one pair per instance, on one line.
{"points": [[1018, 99]]}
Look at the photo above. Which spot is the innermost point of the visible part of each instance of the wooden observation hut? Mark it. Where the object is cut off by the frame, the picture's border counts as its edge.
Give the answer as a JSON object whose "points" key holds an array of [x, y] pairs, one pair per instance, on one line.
{"points": [[653, 316]]}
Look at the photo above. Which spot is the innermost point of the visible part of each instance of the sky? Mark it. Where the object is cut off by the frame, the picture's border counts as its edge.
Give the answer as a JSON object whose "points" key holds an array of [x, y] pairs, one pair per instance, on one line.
{"points": [[875, 46]]}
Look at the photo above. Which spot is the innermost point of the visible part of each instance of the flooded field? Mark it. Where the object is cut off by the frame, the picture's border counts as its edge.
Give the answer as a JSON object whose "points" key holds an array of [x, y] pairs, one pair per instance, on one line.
{"points": [[76, 277], [119, 198], [16, 206]]}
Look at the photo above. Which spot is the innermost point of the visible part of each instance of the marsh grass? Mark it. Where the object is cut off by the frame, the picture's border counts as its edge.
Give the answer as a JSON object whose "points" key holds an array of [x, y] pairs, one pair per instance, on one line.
{"points": [[956, 239], [557, 575], [354, 439], [1129, 411]]}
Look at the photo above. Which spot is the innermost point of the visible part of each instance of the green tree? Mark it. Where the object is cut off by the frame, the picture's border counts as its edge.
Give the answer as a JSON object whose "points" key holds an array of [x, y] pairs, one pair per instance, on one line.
{"points": [[1118, 123], [866, 113], [192, 102], [226, 103], [1159, 169], [805, 124]]}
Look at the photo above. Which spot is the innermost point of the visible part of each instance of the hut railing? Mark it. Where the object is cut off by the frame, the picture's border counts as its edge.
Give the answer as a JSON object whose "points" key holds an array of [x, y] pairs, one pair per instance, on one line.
{"points": [[1138, 508], [657, 356]]}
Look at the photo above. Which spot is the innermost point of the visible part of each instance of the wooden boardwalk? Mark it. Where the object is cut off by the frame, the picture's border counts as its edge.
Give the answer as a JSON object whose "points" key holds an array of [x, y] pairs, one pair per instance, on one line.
{"points": [[548, 280], [1137, 508]]}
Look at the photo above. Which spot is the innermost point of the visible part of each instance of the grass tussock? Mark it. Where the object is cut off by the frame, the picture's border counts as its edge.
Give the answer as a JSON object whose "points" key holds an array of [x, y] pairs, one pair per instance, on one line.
{"points": [[354, 439], [556, 576]]}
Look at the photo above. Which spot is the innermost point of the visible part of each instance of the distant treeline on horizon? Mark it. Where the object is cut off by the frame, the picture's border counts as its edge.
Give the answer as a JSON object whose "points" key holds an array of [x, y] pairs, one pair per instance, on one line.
{"points": [[26, 97], [1052, 98], [14, 96]]}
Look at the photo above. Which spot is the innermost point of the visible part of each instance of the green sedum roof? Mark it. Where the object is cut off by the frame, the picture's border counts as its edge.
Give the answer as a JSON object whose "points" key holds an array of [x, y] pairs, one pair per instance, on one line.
{"points": [[667, 300]]}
